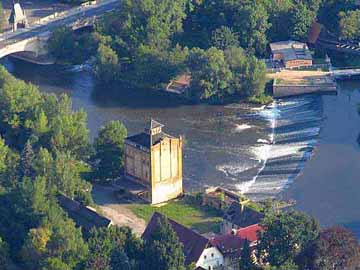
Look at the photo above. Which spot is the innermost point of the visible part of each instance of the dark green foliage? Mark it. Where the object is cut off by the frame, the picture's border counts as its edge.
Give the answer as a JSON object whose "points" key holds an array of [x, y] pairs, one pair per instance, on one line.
{"points": [[350, 25], [217, 75], [26, 160], [246, 259], [224, 38], [119, 260], [285, 235], [109, 148], [163, 251], [4, 255], [335, 249], [70, 47], [2, 17], [113, 248]]}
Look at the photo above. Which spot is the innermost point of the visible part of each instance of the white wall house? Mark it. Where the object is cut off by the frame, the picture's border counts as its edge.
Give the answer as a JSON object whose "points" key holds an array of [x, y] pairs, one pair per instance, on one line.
{"points": [[210, 259]]}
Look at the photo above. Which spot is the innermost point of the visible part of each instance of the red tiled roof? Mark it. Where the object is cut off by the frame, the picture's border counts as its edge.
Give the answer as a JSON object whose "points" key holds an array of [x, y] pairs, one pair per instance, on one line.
{"points": [[193, 243], [228, 244], [249, 233], [232, 243]]}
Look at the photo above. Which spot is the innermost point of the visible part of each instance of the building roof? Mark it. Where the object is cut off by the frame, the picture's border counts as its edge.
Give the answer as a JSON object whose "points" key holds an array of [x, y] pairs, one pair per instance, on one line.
{"points": [[249, 233], [145, 139], [232, 243], [193, 243], [228, 244], [242, 216], [155, 124], [17, 14], [291, 50], [83, 216]]}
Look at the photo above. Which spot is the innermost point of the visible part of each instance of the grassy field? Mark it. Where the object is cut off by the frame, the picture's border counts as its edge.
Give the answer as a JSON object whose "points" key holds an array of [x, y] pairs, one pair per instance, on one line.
{"points": [[201, 219]]}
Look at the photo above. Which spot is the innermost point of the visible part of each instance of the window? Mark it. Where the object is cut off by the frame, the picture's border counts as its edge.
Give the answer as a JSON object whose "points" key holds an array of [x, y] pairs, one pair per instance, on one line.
{"points": [[212, 254], [209, 267], [205, 257]]}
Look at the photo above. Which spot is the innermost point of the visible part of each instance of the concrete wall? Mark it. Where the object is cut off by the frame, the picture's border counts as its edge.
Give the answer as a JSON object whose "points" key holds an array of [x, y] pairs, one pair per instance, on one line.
{"points": [[294, 90], [166, 170]]}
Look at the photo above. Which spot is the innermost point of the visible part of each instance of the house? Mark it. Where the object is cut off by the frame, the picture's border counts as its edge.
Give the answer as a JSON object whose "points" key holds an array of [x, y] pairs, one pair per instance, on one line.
{"points": [[231, 244], [291, 54], [17, 17], [239, 216], [154, 159], [83, 216], [197, 248]]}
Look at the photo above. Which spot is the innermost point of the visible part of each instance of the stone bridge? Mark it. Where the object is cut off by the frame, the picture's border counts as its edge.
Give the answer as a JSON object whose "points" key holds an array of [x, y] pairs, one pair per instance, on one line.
{"points": [[30, 44]]}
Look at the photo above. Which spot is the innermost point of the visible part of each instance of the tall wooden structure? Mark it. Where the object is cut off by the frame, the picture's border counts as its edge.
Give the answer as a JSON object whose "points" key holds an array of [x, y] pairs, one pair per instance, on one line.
{"points": [[154, 159]]}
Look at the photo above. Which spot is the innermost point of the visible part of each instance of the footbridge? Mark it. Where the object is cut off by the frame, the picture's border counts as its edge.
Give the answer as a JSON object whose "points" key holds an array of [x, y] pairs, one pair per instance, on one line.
{"points": [[31, 43]]}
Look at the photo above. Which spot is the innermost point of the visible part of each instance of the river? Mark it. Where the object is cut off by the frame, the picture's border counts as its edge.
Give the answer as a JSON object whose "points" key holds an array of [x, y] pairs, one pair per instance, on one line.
{"points": [[301, 148]]}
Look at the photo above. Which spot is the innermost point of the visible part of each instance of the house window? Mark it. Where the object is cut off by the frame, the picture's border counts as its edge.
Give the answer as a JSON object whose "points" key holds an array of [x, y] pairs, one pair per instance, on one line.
{"points": [[205, 257], [212, 254], [209, 267]]}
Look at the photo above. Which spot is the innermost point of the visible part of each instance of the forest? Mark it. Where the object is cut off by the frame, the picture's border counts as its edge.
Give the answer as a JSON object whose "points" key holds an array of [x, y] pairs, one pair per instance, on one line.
{"points": [[220, 43]]}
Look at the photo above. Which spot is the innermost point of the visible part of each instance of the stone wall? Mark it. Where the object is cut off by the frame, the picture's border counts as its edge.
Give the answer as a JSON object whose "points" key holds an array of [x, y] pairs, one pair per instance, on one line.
{"points": [[294, 90]]}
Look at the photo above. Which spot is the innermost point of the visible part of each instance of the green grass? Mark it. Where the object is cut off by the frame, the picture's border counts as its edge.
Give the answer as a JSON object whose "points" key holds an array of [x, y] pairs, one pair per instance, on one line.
{"points": [[199, 218]]}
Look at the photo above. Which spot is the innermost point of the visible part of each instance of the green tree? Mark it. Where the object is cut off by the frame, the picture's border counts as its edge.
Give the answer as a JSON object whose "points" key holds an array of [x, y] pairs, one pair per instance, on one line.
{"points": [[34, 248], [54, 264], [350, 24], [285, 235], [301, 18], [4, 255], [66, 242], [113, 248], [246, 259], [251, 22], [107, 64], [2, 17], [3, 154], [224, 37], [109, 148], [69, 133], [336, 248], [119, 260], [210, 74], [26, 160], [163, 251]]}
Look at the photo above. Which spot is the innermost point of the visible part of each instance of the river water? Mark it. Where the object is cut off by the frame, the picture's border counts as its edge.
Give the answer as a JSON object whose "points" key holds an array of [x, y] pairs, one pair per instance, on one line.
{"points": [[258, 151]]}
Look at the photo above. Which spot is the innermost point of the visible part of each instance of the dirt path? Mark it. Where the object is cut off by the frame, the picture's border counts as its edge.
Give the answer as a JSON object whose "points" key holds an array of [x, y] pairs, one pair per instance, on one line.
{"points": [[116, 210]]}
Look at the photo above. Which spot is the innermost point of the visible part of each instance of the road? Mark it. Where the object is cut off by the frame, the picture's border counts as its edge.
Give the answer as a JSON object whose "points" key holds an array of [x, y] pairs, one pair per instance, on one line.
{"points": [[69, 18]]}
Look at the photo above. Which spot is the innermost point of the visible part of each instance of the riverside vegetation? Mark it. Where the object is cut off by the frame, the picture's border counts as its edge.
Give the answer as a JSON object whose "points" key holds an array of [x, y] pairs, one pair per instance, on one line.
{"points": [[45, 151], [145, 44]]}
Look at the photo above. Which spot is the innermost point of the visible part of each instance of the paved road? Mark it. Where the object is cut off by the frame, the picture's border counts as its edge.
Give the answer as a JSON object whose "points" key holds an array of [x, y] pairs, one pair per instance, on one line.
{"points": [[71, 17]]}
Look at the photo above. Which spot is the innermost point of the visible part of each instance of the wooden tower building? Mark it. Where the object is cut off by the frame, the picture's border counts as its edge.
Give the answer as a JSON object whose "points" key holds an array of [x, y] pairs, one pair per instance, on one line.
{"points": [[154, 159]]}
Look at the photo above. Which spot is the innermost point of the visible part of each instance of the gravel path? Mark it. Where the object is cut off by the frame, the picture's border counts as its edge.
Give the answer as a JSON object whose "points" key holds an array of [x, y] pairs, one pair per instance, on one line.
{"points": [[116, 210]]}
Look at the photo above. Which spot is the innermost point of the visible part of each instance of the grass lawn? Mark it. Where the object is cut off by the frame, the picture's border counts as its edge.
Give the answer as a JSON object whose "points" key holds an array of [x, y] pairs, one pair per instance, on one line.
{"points": [[201, 219]]}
